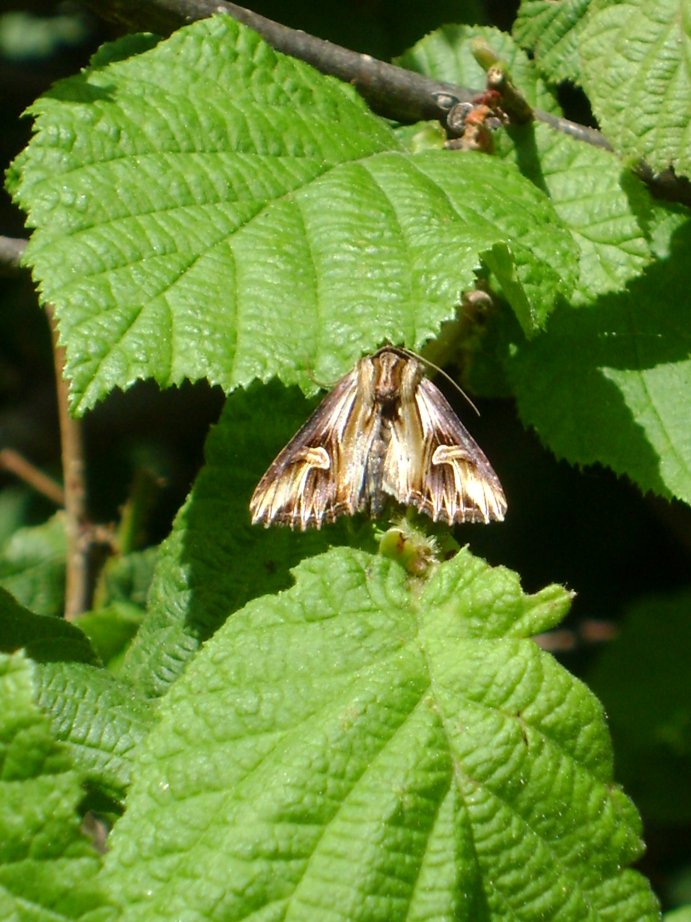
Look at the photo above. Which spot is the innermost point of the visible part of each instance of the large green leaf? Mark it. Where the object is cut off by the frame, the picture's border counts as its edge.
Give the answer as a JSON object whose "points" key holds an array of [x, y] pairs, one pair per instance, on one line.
{"points": [[604, 206], [366, 747], [48, 869], [210, 208], [611, 383], [636, 69]]}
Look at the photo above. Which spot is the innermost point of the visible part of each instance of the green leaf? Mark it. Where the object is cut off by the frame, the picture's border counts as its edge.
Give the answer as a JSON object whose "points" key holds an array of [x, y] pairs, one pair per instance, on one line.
{"points": [[43, 637], [99, 719], [635, 66], [605, 207], [610, 384], [551, 30], [111, 630], [48, 869], [366, 747], [32, 566], [191, 202], [128, 578], [446, 55], [644, 682]]}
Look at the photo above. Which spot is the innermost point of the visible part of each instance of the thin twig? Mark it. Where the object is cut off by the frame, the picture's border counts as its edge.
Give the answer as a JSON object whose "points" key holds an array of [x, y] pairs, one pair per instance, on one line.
{"points": [[18, 465], [394, 92], [590, 632], [82, 538], [79, 584], [11, 249]]}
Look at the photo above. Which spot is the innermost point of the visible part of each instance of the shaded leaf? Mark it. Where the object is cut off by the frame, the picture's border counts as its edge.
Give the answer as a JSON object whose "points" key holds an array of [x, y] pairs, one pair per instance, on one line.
{"points": [[45, 638], [214, 561], [32, 566], [127, 578], [99, 719], [610, 384], [111, 629], [604, 206], [643, 680]]}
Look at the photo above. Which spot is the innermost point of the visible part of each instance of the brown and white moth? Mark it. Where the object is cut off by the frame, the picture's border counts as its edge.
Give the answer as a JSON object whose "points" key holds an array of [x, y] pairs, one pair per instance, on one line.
{"points": [[384, 431]]}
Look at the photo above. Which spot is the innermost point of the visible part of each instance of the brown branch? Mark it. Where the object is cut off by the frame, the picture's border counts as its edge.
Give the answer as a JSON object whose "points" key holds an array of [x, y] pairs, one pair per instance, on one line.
{"points": [[23, 469], [11, 249], [85, 543], [393, 92], [79, 582], [589, 633]]}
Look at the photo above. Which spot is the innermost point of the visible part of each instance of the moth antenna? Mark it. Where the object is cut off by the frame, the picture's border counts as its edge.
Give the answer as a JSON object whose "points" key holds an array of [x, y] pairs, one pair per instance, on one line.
{"points": [[445, 375]]}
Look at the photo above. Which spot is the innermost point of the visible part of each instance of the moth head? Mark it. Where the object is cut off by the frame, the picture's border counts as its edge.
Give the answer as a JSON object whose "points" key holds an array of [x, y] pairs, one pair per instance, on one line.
{"points": [[394, 375]]}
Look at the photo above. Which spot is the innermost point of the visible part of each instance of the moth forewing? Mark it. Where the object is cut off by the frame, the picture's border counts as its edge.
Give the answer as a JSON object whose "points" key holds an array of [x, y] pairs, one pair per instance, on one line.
{"points": [[460, 483], [385, 431], [300, 488]]}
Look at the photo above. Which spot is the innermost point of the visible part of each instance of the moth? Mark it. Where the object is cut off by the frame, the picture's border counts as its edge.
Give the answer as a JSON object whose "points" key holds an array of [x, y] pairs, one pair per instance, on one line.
{"points": [[385, 431]]}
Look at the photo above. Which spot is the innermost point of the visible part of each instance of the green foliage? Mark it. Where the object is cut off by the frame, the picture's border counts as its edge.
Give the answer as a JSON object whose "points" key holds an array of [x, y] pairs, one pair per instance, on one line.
{"points": [[48, 868], [617, 377], [202, 275], [446, 54], [609, 223], [381, 739], [629, 352], [99, 719], [32, 566]]}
